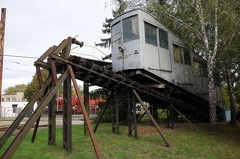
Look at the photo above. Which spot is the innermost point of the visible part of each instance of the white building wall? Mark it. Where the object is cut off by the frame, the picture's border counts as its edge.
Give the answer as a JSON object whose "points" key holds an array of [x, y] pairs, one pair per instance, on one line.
{"points": [[12, 105]]}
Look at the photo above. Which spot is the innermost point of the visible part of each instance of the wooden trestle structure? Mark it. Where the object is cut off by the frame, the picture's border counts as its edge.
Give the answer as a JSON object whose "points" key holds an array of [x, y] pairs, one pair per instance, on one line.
{"points": [[58, 61]]}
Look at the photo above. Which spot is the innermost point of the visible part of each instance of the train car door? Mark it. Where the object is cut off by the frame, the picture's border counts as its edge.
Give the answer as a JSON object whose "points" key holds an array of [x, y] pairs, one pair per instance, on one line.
{"points": [[164, 53]]}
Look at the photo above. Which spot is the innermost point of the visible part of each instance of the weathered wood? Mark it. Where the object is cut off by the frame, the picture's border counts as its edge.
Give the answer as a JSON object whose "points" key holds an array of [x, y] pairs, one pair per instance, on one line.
{"points": [[150, 116], [94, 141], [33, 118]]}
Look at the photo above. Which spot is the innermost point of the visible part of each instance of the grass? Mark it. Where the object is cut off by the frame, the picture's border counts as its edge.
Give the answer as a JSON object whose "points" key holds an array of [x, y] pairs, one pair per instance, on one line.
{"points": [[186, 142]]}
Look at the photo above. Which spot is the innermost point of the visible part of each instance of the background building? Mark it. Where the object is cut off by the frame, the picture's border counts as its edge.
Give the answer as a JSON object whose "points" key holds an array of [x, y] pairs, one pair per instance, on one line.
{"points": [[13, 104]]}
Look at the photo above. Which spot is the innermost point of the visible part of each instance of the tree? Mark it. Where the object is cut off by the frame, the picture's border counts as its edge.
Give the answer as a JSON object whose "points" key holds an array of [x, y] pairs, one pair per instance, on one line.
{"points": [[15, 89], [33, 86], [106, 42], [228, 56]]}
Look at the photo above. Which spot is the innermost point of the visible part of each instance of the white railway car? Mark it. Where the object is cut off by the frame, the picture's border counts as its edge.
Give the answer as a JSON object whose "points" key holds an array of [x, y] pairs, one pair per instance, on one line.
{"points": [[141, 45]]}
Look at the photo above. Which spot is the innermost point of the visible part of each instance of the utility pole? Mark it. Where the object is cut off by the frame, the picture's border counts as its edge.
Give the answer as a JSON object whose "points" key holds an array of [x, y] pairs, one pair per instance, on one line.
{"points": [[2, 32]]}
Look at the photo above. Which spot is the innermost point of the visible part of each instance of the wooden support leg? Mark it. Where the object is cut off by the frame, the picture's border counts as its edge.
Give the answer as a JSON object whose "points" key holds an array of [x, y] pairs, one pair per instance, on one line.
{"points": [[168, 118], [184, 117], [151, 117], [129, 115], [40, 81], [115, 115], [86, 103], [103, 111], [172, 117], [52, 122], [134, 116], [67, 115], [94, 141]]}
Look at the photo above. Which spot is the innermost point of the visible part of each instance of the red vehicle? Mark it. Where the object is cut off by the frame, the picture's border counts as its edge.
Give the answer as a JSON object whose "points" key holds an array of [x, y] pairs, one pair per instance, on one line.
{"points": [[76, 107]]}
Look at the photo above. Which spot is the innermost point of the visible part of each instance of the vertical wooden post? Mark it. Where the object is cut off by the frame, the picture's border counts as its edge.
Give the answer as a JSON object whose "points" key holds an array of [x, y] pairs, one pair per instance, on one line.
{"points": [[67, 115], [168, 116], [86, 103], [134, 115], [172, 117], [129, 115], [52, 121], [115, 115]]}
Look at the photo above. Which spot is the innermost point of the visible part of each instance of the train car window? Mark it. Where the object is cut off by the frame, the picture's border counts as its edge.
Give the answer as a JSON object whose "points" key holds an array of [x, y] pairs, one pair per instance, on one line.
{"points": [[163, 39], [187, 57], [204, 70], [196, 68], [116, 34], [130, 29], [177, 52], [150, 34], [199, 69]]}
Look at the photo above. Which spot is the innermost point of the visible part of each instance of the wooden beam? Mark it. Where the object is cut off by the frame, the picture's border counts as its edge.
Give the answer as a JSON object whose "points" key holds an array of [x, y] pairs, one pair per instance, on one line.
{"points": [[94, 141], [151, 117]]}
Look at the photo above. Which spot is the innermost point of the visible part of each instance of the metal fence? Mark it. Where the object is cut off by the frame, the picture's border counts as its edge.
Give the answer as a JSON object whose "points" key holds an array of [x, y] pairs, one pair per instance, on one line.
{"points": [[9, 112]]}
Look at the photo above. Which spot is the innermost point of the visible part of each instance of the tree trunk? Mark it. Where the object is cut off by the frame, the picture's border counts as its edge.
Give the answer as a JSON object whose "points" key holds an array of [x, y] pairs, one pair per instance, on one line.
{"points": [[233, 106], [212, 100]]}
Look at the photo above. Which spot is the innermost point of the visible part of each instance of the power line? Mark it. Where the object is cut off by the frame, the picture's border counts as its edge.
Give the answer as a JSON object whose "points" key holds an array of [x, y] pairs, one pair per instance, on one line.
{"points": [[29, 57], [17, 63], [17, 70]]}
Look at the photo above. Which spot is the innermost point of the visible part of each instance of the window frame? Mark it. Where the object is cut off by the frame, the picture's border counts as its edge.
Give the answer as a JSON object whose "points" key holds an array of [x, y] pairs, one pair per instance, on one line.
{"points": [[163, 36], [147, 39], [177, 55], [130, 28]]}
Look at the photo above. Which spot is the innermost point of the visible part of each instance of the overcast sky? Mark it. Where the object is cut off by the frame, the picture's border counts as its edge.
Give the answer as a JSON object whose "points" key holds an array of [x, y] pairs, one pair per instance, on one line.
{"points": [[32, 26]]}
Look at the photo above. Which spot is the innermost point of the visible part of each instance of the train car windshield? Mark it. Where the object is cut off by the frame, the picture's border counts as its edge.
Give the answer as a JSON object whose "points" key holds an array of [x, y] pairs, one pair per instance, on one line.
{"points": [[130, 28], [116, 34]]}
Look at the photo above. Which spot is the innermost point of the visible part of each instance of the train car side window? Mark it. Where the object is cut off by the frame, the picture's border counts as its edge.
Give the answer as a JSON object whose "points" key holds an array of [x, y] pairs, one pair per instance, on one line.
{"points": [[177, 52], [130, 29], [116, 34], [204, 70], [199, 69], [196, 68], [150, 34], [187, 57], [163, 39]]}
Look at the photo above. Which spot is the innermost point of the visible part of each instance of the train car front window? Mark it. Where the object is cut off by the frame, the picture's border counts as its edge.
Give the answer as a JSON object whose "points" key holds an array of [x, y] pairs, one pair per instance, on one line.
{"points": [[150, 34], [130, 29], [116, 34], [163, 39]]}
